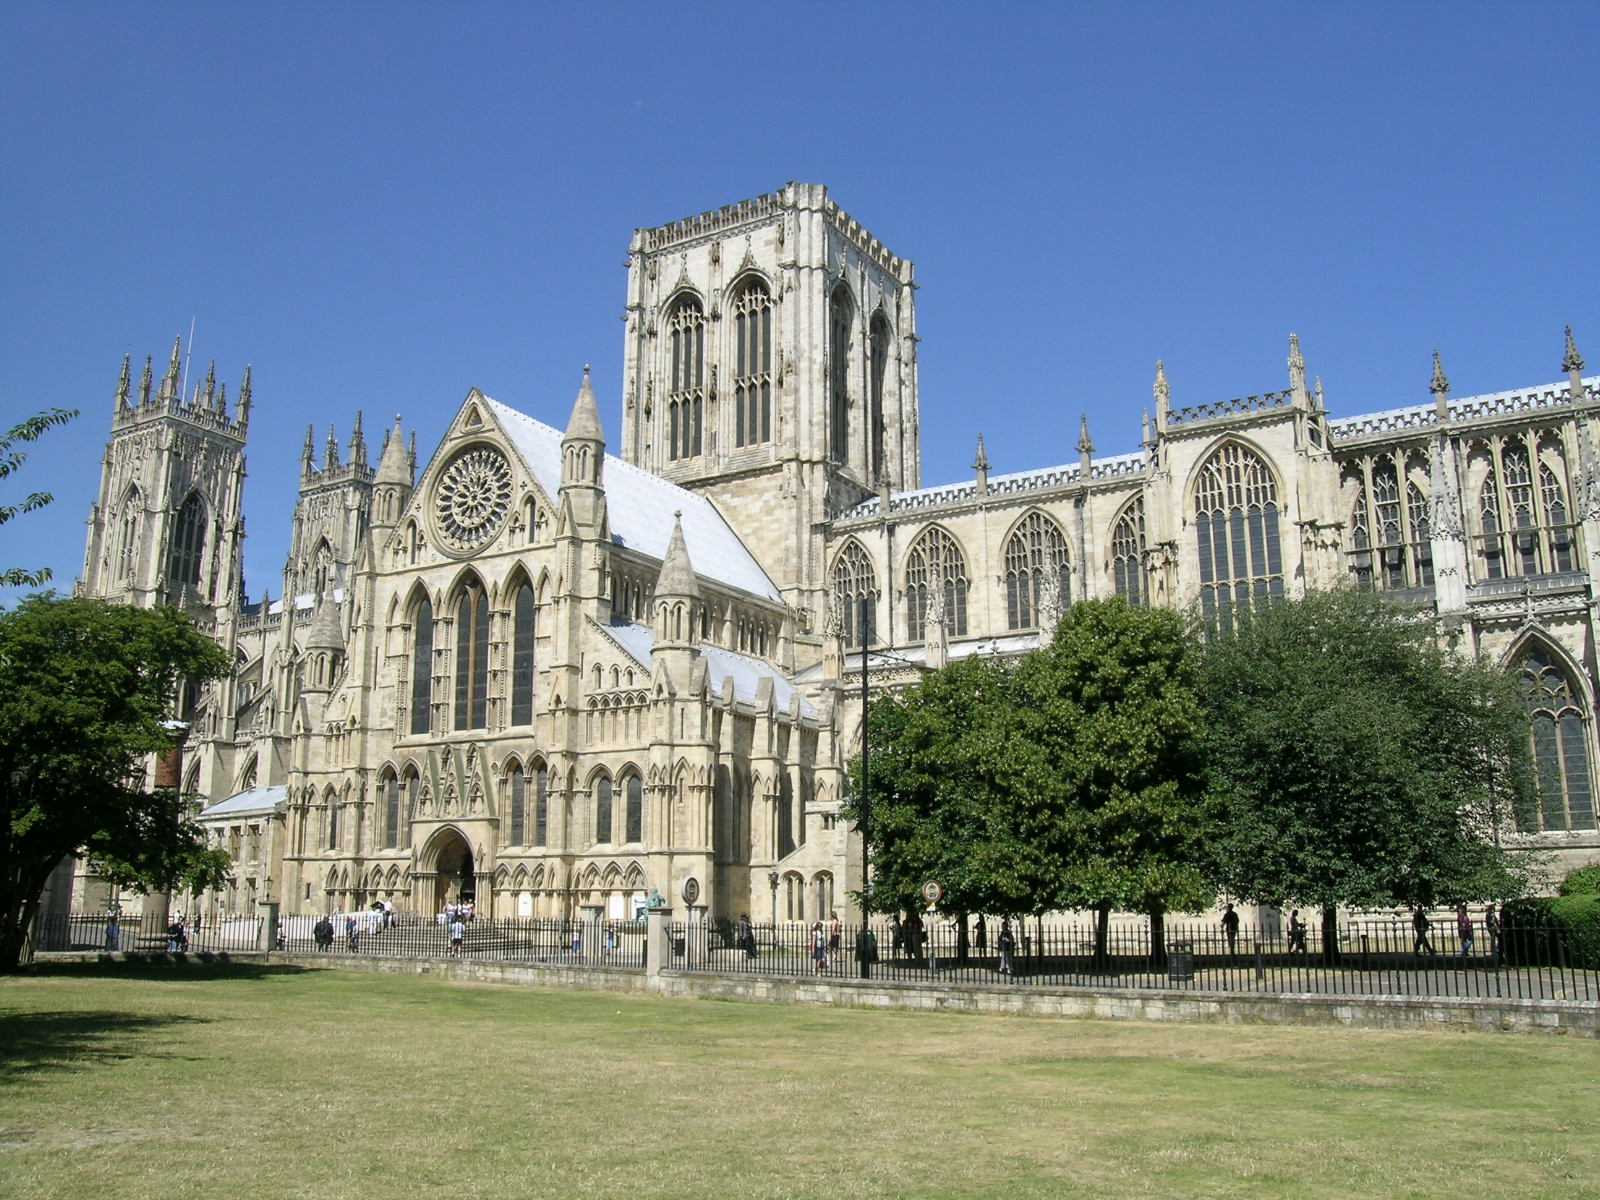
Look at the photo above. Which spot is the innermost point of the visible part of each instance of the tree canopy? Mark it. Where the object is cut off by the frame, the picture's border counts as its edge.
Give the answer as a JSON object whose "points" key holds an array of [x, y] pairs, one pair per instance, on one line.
{"points": [[11, 460], [86, 691], [1357, 763]]}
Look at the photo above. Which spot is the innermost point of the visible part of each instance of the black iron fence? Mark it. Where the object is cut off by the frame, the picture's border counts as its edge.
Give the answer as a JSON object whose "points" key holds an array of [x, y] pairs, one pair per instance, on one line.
{"points": [[147, 933], [584, 942], [1366, 957]]}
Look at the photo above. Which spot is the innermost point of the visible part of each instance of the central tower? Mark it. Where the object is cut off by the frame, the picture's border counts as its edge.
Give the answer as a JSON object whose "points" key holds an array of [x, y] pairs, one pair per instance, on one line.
{"points": [[771, 361]]}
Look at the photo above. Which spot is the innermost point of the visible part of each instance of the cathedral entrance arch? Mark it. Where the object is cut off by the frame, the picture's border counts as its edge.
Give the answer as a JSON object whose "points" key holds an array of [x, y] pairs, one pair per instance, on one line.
{"points": [[454, 871]]}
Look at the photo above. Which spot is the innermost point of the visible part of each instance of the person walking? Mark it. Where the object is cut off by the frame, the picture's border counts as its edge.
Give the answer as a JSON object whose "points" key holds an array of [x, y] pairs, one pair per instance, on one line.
{"points": [[458, 934], [352, 934], [1297, 932], [835, 935], [322, 934], [1464, 932], [1491, 926], [747, 936], [1420, 924], [819, 949], [1007, 945], [113, 934], [981, 936], [1230, 929]]}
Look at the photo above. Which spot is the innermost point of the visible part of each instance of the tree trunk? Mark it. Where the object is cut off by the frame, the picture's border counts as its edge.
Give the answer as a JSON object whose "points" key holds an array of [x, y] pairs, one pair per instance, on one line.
{"points": [[963, 948], [1330, 936], [1102, 937], [1158, 939], [16, 944]]}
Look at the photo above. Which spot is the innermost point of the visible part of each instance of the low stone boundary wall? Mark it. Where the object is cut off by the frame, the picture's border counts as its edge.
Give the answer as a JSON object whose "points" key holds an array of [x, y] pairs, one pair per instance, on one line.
{"points": [[1563, 1017]]}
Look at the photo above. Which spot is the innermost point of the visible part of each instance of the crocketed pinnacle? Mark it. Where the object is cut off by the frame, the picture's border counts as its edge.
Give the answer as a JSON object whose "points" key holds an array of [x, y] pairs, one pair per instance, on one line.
{"points": [[1085, 444], [1571, 360], [981, 463]]}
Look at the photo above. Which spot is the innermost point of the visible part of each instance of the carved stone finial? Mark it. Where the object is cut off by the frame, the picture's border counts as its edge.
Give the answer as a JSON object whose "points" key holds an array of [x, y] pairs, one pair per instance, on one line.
{"points": [[1571, 360], [1085, 444], [1161, 390], [145, 379], [1438, 385], [124, 380]]}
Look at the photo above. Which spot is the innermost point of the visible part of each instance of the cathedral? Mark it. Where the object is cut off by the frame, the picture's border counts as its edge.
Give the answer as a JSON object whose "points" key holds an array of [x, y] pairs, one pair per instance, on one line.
{"points": [[551, 669]]}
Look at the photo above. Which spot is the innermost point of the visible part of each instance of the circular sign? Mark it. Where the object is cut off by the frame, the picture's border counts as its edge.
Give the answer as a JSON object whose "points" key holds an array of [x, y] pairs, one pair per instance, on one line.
{"points": [[691, 890], [933, 892]]}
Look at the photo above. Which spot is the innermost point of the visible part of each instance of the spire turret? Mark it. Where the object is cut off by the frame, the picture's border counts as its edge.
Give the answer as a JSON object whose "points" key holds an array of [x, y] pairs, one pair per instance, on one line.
{"points": [[1163, 395], [1297, 369], [358, 444], [1440, 387], [393, 468], [222, 400], [211, 384], [145, 380], [244, 397], [583, 446], [126, 378], [585, 420], [1572, 364], [677, 574], [1085, 446], [980, 464], [309, 451], [169, 381], [330, 458]]}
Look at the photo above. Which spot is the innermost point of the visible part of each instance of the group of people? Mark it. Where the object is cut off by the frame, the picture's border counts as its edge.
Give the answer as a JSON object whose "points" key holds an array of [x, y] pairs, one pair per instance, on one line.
{"points": [[1421, 927]]}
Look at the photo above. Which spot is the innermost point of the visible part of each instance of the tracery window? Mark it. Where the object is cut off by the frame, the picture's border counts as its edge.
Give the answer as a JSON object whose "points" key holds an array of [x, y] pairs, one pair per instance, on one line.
{"points": [[332, 802], [1036, 548], [523, 632], [472, 657], [413, 786], [752, 365], [1236, 526], [1524, 523], [1389, 546], [840, 313], [1421, 535], [879, 345], [1561, 746], [686, 382], [517, 793], [786, 815], [390, 799], [1127, 553], [188, 540], [855, 595], [633, 792], [602, 809], [936, 562], [422, 668], [128, 553]]}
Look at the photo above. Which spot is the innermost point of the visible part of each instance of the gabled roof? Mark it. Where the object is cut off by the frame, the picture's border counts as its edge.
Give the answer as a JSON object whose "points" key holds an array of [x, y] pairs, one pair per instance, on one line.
{"points": [[255, 802], [747, 672], [640, 507]]}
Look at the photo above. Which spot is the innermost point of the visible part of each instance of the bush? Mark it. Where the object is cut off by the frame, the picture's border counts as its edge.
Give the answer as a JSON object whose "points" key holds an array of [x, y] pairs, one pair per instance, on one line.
{"points": [[1564, 931], [1585, 881]]}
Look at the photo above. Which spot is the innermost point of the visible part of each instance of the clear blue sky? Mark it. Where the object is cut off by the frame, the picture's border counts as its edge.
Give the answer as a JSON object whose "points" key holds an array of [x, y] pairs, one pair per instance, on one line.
{"points": [[382, 206]]}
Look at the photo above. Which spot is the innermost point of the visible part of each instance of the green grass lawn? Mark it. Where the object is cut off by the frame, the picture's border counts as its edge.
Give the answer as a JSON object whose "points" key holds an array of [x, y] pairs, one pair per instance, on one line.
{"points": [[281, 1083]]}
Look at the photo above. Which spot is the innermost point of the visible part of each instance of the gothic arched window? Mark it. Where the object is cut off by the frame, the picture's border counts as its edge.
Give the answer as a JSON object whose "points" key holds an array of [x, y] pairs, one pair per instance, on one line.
{"points": [[936, 567], [1421, 535], [422, 668], [541, 805], [602, 809], [128, 551], [879, 345], [686, 381], [1127, 553], [1560, 733], [1036, 548], [516, 792], [522, 637], [854, 585], [188, 541], [1555, 514], [472, 657], [752, 364], [389, 798], [332, 802], [413, 785], [840, 313], [786, 839], [1236, 526], [633, 792], [1523, 517]]}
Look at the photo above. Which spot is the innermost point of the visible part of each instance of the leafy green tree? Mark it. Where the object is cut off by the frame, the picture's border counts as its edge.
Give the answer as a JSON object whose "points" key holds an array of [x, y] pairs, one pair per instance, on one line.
{"points": [[1103, 765], [1356, 763], [86, 689], [11, 460]]}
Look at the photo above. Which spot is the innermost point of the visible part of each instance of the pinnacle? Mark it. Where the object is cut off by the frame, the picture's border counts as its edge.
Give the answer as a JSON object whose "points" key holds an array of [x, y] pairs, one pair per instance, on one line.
{"points": [[585, 422], [1439, 385], [677, 575], [1571, 360]]}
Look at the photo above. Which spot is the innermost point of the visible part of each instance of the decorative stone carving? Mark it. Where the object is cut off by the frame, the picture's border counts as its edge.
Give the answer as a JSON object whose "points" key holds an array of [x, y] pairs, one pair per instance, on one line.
{"points": [[472, 497]]}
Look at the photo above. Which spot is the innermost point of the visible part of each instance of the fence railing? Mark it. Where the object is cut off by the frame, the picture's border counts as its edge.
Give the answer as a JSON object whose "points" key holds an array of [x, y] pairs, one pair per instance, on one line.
{"points": [[149, 933], [581, 942], [1368, 957]]}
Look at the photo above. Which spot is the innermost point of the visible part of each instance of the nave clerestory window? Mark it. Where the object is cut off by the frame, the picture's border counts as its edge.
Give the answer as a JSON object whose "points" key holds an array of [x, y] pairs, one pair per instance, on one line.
{"points": [[1037, 549], [855, 595], [1127, 553], [1237, 532], [1524, 522], [936, 569]]}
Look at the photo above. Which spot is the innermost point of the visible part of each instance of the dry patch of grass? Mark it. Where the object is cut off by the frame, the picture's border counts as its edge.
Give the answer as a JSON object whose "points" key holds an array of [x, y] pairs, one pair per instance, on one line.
{"points": [[333, 1084]]}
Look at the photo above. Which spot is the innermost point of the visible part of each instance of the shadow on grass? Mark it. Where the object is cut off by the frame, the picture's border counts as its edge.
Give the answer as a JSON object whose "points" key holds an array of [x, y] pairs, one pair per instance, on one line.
{"points": [[166, 968], [31, 1042]]}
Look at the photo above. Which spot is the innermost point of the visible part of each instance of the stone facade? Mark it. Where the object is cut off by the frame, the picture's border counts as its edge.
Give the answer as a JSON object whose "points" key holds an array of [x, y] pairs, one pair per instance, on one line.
{"points": [[553, 679]]}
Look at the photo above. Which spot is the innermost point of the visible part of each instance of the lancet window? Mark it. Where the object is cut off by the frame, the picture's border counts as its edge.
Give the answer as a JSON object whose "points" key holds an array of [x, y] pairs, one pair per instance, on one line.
{"points": [[472, 657], [602, 809], [1389, 545], [541, 805], [936, 568], [686, 381], [1036, 549], [517, 798], [752, 364], [633, 799], [422, 667], [188, 541], [523, 631], [1559, 720], [1236, 526], [879, 345], [389, 789], [1524, 521], [128, 552], [841, 312]]}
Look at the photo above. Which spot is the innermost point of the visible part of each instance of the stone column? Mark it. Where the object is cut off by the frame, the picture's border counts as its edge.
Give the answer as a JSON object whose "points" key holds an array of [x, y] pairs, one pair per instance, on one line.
{"points": [[267, 931], [658, 940]]}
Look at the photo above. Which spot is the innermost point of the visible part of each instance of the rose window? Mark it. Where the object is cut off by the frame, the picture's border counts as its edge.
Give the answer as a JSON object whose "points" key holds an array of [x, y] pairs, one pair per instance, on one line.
{"points": [[473, 497]]}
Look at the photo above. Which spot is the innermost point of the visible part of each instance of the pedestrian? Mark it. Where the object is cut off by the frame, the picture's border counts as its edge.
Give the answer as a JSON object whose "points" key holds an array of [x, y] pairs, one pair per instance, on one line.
{"points": [[577, 941], [113, 934], [1297, 932], [1464, 931], [747, 936], [352, 933], [897, 936], [1230, 929], [981, 936], [819, 949], [835, 935], [458, 933], [1491, 926], [1420, 924], [1007, 945], [322, 934]]}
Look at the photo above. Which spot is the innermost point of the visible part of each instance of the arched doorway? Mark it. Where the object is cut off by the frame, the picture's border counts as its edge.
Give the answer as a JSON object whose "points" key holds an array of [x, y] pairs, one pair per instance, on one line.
{"points": [[455, 881]]}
